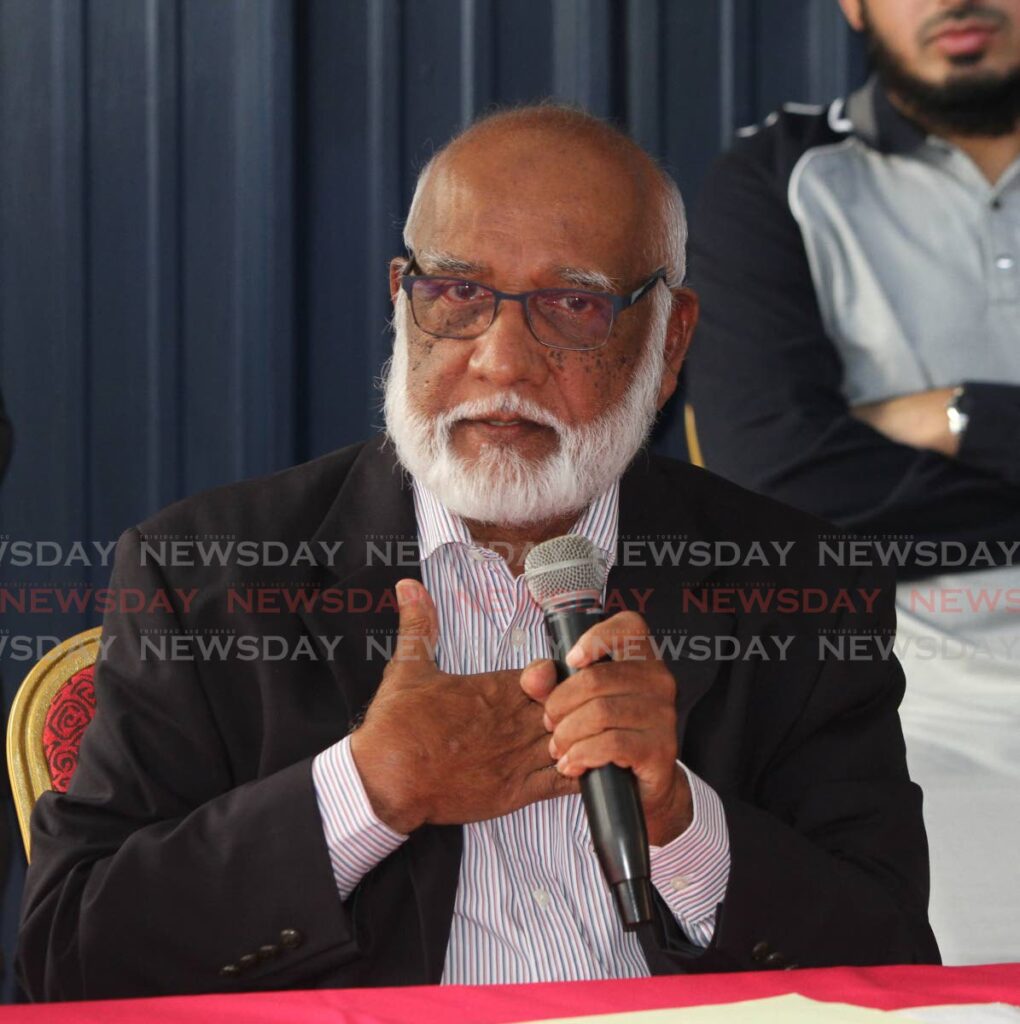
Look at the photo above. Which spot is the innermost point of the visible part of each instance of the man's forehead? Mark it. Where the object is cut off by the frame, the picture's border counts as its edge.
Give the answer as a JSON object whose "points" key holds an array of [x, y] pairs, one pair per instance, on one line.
{"points": [[558, 194], [535, 160]]}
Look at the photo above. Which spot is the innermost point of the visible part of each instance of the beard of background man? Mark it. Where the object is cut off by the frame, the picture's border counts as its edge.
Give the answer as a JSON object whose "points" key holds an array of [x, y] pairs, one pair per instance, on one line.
{"points": [[501, 486], [972, 103]]}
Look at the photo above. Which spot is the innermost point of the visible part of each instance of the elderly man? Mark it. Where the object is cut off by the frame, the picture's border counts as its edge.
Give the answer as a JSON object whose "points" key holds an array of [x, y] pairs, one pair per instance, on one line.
{"points": [[227, 829], [859, 358]]}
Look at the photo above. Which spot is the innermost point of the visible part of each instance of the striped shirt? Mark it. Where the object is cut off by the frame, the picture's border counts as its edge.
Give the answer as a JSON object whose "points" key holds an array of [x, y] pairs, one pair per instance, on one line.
{"points": [[532, 903]]}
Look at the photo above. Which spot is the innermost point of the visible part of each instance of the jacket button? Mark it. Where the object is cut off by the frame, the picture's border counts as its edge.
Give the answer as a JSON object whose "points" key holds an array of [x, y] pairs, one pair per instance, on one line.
{"points": [[760, 951], [247, 961], [230, 971], [268, 952], [291, 938], [772, 960]]}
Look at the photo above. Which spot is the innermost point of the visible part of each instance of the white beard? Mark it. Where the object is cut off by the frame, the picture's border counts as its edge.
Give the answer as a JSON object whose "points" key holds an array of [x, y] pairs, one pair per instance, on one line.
{"points": [[500, 486]]}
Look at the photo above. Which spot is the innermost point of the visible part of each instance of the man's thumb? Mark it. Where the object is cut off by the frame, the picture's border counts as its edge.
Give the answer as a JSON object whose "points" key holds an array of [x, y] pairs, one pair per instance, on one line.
{"points": [[418, 631]]}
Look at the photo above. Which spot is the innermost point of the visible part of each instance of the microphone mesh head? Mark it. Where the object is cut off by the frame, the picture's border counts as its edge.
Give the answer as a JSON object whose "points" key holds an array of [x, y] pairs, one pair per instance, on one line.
{"points": [[564, 566]]}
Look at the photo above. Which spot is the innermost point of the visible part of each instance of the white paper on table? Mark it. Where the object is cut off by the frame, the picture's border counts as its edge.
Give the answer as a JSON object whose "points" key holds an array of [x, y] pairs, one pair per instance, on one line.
{"points": [[788, 1009], [973, 1013]]}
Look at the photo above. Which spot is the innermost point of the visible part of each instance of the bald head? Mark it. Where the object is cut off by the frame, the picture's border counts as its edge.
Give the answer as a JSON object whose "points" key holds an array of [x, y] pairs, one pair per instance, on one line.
{"points": [[558, 160]]}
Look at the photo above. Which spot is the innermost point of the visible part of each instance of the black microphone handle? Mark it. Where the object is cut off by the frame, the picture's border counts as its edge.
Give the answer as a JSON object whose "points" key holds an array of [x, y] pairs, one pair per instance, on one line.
{"points": [[610, 793]]}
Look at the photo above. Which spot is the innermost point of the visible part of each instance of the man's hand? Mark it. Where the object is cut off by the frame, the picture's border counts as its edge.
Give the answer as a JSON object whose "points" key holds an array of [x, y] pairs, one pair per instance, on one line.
{"points": [[620, 712], [447, 749], [918, 420]]}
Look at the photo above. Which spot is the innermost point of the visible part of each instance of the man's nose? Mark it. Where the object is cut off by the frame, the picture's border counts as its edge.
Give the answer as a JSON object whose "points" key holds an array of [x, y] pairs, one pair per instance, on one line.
{"points": [[507, 352]]}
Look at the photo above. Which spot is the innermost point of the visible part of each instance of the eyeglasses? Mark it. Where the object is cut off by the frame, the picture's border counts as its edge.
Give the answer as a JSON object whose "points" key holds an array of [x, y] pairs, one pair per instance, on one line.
{"points": [[565, 318]]}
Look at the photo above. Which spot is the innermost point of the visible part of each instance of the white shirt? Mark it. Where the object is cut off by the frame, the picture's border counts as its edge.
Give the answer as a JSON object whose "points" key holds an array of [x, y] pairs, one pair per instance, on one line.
{"points": [[532, 903]]}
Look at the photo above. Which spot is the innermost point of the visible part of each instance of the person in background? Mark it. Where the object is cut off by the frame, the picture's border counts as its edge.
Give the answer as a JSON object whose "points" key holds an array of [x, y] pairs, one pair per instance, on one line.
{"points": [[859, 357]]}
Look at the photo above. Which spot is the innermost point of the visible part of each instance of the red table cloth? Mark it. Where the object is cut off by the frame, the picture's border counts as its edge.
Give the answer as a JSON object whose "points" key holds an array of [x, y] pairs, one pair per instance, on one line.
{"points": [[885, 988]]}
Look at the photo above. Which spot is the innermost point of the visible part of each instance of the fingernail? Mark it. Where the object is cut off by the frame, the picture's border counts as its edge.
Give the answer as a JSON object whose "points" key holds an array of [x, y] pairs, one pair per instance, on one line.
{"points": [[547, 722], [553, 752], [407, 592], [574, 656], [561, 765]]}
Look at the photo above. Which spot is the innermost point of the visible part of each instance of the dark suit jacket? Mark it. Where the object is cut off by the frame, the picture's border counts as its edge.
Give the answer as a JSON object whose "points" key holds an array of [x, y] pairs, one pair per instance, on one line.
{"points": [[191, 839]]}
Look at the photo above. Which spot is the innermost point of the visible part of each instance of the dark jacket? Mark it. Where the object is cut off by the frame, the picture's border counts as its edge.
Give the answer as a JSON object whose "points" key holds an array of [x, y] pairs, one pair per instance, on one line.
{"points": [[190, 838]]}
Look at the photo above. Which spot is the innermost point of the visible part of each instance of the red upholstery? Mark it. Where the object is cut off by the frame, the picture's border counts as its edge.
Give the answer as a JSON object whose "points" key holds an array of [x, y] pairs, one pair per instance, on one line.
{"points": [[70, 711]]}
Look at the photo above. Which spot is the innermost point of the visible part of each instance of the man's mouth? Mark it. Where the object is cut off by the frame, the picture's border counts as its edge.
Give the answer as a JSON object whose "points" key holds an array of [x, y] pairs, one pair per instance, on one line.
{"points": [[959, 38], [499, 421], [505, 427]]}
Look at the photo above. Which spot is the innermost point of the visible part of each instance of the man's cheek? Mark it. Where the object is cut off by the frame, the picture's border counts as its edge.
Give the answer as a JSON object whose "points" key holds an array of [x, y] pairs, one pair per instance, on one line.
{"points": [[420, 354]]}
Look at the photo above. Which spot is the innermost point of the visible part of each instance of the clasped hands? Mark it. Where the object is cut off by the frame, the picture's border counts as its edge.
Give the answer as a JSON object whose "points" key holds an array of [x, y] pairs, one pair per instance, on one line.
{"points": [[438, 748]]}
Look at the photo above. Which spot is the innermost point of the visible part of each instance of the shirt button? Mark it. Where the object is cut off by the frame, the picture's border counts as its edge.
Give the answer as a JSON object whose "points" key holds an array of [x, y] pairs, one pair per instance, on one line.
{"points": [[1004, 263], [541, 897], [517, 637], [679, 883]]}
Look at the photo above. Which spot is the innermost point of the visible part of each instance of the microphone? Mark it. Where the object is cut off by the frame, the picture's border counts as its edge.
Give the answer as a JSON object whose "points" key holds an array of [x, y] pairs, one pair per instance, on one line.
{"points": [[565, 576]]}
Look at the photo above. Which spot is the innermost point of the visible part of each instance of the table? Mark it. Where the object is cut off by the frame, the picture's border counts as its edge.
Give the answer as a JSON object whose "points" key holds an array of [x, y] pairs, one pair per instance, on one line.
{"points": [[886, 988]]}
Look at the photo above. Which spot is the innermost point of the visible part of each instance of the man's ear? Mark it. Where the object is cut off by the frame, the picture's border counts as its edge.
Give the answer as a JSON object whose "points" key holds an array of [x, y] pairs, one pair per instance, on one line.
{"points": [[853, 14], [683, 318], [397, 266]]}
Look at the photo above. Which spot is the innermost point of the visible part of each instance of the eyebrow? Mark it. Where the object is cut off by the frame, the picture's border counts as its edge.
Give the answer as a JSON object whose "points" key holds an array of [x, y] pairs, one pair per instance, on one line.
{"points": [[439, 262], [446, 262], [586, 278]]}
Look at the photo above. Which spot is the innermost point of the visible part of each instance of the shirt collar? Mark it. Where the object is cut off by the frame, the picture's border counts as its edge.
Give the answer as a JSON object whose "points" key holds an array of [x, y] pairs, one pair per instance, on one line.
{"points": [[437, 525], [880, 124], [873, 118]]}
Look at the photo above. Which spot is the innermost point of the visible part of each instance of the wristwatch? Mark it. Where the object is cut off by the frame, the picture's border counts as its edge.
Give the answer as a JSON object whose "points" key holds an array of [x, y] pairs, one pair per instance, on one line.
{"points": [[956, 414]]}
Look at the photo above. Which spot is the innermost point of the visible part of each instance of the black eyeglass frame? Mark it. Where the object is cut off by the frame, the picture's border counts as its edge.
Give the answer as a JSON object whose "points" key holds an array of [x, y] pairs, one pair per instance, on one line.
{"points": [[618, 302]]}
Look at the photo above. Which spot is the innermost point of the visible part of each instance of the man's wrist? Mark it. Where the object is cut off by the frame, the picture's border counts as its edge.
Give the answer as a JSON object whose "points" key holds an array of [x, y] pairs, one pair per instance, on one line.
{"points": [[676, 815], [388, 801], [918, 419]]}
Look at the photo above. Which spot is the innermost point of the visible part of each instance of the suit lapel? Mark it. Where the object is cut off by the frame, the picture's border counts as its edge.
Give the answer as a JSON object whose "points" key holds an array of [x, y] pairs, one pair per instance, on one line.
{"points": [[652, 512], [373, 515], [653, 508]]}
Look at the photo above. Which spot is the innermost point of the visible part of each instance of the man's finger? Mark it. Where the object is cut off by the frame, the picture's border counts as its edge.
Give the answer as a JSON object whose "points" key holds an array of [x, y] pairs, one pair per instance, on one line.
{"points": [[622, 637], [418, 632], [538, 679], [624, 747], [610, 679], [547, 783], [632, 712]]}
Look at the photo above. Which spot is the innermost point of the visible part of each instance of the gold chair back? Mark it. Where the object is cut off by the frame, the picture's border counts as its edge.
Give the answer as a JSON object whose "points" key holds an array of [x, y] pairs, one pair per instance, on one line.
{"points": [[691, 431], [26, 757]]}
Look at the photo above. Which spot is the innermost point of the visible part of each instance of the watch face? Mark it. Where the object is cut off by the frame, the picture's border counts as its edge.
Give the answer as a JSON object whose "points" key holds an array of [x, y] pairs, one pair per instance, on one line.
{"points": [[956, 412]]}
